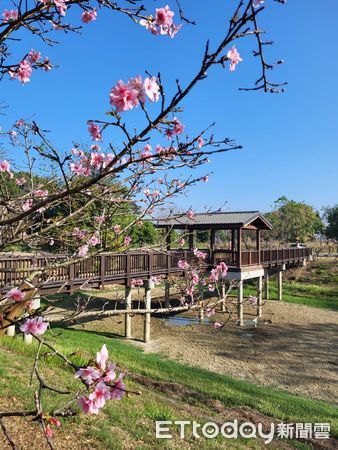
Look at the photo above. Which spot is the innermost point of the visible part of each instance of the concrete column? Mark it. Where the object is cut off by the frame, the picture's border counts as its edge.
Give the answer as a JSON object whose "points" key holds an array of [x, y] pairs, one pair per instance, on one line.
{"points": [[201, 314], [266, 284], [280, 284], [127, 317], [240, 302], [146, 334], [167, 294], [27, 338], [223, 297], [10, 331], [259, 297]]}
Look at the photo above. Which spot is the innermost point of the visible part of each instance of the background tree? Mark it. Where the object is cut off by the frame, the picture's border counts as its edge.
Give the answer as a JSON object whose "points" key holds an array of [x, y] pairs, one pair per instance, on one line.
{"points": [[294, 221], [331, 217]]}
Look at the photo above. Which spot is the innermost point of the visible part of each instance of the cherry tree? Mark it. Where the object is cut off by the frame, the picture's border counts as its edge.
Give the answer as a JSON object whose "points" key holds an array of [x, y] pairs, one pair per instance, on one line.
{"points": [[140, 167]]}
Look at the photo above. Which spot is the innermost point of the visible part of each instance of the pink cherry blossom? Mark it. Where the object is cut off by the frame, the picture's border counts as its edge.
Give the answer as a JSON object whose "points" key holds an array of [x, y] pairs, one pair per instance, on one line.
{"points": [[83, 251], [34, 56], [118, 390], [87, 405], [49, 432], [40, 193], [218, 325], [210, 312], [127, 241], [205, 178], [60, 6], [101, 357], [195, 277], [96, 160], [24, 71], [199, 254], [116, 229], [152, 89], [94, 240], [16, 295], [5, 166], [137, 84], [9, 15], [190, 290], [162, 24], [88, 375], [184, 265], [181, 242], [123, 96], [89, 16], [27, 204], [136, 282], [257, 3], [234, 57], [94, 131], [200, 141], [177, 128], [211, 287], [99, 219], [191, 214], [20, 181], [109, 374], [37, 325]]}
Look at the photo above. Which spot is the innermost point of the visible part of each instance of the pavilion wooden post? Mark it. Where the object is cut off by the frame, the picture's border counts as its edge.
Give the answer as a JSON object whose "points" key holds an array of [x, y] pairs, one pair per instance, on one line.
{"points": [[168, 238], [259, 297], [239, 246], [127, 317], [212, 243], [191, 240], [240, 302], [258, 244]]}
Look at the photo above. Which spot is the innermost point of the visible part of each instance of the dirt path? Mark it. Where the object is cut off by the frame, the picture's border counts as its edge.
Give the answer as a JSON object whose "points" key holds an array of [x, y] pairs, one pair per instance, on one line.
{"points": [[297, 351]]}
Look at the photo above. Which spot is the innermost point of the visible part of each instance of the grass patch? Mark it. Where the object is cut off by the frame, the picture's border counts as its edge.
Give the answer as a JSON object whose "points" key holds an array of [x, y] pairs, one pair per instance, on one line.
{"points": [[133, 418]]}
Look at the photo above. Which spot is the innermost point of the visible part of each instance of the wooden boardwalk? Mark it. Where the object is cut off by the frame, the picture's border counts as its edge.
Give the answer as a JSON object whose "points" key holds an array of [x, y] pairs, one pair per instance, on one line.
{"points": [[121, 268]]}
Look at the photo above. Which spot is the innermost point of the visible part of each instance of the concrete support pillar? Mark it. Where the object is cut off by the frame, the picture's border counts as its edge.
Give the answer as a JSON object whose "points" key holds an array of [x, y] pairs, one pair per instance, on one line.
{"points": [[259, 296], [240, 302], [146, 334], [27, 338], [266, 284], [10, 331], [127, 317], [201, 314], [223, 297], [167, 294], [280, 284], [36, 302]]}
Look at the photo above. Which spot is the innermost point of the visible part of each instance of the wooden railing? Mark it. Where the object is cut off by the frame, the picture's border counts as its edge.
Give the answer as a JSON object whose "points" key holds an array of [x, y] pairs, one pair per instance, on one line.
{"points": [[122, 267]]}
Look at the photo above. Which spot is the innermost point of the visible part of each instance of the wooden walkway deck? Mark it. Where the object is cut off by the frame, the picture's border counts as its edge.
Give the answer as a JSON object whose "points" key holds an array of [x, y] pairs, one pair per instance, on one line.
{"points": [[121, 268]]}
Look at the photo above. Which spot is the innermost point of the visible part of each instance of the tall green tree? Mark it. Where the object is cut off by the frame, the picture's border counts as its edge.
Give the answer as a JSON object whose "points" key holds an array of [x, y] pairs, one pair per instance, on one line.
{"points": [[331, 217], [294, 221]]}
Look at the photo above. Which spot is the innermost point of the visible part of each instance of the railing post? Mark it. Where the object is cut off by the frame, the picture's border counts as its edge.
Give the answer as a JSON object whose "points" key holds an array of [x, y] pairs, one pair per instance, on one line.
{"points": [[102, 270], [71, 276], [128, 267], [150, 264]]}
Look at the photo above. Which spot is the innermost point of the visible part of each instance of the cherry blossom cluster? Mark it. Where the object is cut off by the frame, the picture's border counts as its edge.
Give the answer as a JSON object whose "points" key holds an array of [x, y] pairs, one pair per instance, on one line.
{"points": [[24, 69], [176, 128], [218, 273], [102, 382], [60, 5], [162, 23], [157, 279], [9, 15], [199, 254], [126, 96], [136, 282], [84, 164], [35, 325], [234, 58]]}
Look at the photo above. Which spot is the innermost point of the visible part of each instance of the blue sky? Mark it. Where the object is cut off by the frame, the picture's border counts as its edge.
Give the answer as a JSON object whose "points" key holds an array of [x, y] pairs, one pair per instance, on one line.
{"points": [[290, 140]]}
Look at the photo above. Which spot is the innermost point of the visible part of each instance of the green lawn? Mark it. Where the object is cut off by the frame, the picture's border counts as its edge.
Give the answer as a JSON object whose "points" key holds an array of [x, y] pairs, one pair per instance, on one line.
{"points": [[133, 418], [303, 294]]}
